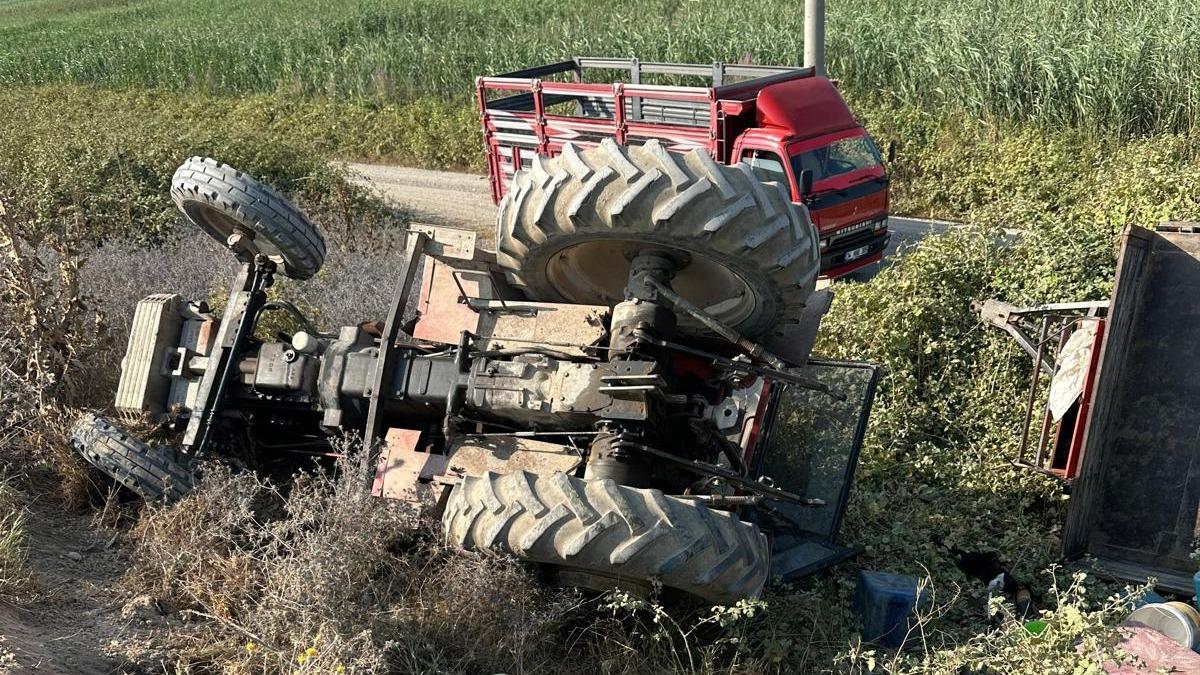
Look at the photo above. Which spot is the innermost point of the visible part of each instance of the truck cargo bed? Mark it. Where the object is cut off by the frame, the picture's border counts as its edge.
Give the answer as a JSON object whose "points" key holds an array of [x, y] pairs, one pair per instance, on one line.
{"points": [[583, 100]]}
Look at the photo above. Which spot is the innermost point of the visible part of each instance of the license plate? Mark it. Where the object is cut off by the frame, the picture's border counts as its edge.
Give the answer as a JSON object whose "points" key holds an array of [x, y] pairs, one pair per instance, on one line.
{"points": [[857, 253]]}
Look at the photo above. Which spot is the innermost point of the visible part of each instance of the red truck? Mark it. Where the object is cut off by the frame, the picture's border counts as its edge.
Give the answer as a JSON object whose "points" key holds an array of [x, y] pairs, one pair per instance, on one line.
{"points": [[789, 125]]}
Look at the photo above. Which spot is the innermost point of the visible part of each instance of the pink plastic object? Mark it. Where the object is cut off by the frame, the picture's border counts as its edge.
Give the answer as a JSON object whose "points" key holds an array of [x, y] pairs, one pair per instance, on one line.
{"points": [[1154, 651]]}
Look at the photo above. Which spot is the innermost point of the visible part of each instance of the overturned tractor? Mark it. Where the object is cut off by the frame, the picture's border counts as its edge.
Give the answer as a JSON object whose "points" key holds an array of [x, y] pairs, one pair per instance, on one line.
{"points": [[623, 392]]}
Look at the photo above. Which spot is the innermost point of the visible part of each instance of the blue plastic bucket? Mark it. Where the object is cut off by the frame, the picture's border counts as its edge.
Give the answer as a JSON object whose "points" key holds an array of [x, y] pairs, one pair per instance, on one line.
{"points": [[884, 603]]}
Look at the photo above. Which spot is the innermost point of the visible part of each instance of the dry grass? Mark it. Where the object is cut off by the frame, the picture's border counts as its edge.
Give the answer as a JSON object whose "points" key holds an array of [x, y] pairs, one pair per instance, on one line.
{"points": [[43, 334], [47, 334], [319, 576], [13, 570]]}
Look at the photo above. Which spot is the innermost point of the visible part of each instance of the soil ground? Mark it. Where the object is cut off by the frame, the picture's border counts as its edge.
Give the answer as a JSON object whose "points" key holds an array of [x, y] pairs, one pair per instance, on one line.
{"points": [[72, 612], [435, 197]]}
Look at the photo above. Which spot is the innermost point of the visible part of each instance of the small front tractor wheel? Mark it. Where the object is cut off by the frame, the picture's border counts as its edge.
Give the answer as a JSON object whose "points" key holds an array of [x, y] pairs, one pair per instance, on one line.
{"points": [[247, 215], [152, 472], [607, 535]]}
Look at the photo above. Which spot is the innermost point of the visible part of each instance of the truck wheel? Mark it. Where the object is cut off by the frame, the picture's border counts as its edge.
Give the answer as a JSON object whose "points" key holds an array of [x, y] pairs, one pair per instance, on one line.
{"points": [[603, 533], [569, 226], [152, 472], [222, 200]]}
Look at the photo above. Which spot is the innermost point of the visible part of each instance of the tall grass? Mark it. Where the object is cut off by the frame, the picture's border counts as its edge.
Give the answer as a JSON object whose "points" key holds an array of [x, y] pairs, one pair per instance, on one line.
{"points": [[13, 570], [1117, 66]]}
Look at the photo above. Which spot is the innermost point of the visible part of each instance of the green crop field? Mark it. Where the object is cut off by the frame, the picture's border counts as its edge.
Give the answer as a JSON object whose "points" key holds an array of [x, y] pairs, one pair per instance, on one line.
{"points": [[1006, 112], [1115, 65]]}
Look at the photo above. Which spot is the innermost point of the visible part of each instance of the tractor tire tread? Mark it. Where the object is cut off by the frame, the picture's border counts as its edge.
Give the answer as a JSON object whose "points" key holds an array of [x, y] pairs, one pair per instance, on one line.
{"points": [[152, 472], [610, 530], [203, 183], [649, 194]]}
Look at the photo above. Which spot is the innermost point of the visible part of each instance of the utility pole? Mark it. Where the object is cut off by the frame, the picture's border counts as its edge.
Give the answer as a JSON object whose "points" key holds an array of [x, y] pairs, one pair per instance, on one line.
{"points": [[814, 35]]}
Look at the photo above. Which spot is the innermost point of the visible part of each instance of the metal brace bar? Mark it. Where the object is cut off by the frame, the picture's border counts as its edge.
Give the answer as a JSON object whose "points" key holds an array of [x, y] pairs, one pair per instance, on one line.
{"points": [[236, 326], [1032, 399], [414, 249], [705, 468], [466, 299], [1009, 318], [635, 78], [753, 349], [730, 364]]}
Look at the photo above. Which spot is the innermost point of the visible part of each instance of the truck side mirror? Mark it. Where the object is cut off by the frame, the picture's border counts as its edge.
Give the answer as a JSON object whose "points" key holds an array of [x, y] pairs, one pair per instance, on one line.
{"points": [[806, 183], [891, 151]]}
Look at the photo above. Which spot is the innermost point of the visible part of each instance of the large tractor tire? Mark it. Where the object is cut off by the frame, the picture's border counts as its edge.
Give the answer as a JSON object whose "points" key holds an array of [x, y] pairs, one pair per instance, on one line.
{"points": [[605, 535], [154, 473], [569, 226], [222, 200]]}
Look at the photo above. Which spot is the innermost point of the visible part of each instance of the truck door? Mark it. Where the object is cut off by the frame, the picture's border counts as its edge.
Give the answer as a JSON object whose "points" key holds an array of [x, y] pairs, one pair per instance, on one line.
{"points": [[767, 165]]}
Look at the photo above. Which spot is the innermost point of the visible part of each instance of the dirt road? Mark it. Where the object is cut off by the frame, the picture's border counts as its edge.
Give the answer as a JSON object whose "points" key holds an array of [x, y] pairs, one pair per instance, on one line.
{"points": [[464, 200], [72, 610], [434, 197]]}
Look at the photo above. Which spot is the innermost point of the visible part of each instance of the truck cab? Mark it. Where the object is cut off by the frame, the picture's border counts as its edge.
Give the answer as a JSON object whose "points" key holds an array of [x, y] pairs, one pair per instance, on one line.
{"points": [[789, 125], [806, 137]]}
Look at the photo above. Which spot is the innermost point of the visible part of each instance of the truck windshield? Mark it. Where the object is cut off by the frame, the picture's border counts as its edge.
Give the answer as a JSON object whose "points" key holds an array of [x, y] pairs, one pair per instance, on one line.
{"points": [[839, 157]]}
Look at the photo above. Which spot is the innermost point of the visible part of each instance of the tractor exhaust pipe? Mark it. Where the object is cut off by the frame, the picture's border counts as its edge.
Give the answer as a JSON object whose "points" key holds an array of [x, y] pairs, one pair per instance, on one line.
{"points": [[814, 35]]}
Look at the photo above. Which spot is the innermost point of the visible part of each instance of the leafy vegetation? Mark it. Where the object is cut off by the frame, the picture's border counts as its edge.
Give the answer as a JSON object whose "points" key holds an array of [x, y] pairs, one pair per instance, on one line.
{"points": [[1022, 177], [101, 160], [99, 164], [943, 424], [1076, 639]]}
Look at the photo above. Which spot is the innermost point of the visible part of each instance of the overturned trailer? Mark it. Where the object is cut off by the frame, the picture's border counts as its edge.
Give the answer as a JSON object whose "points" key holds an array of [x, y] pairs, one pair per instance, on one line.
{"points": [[1120, 385]]}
